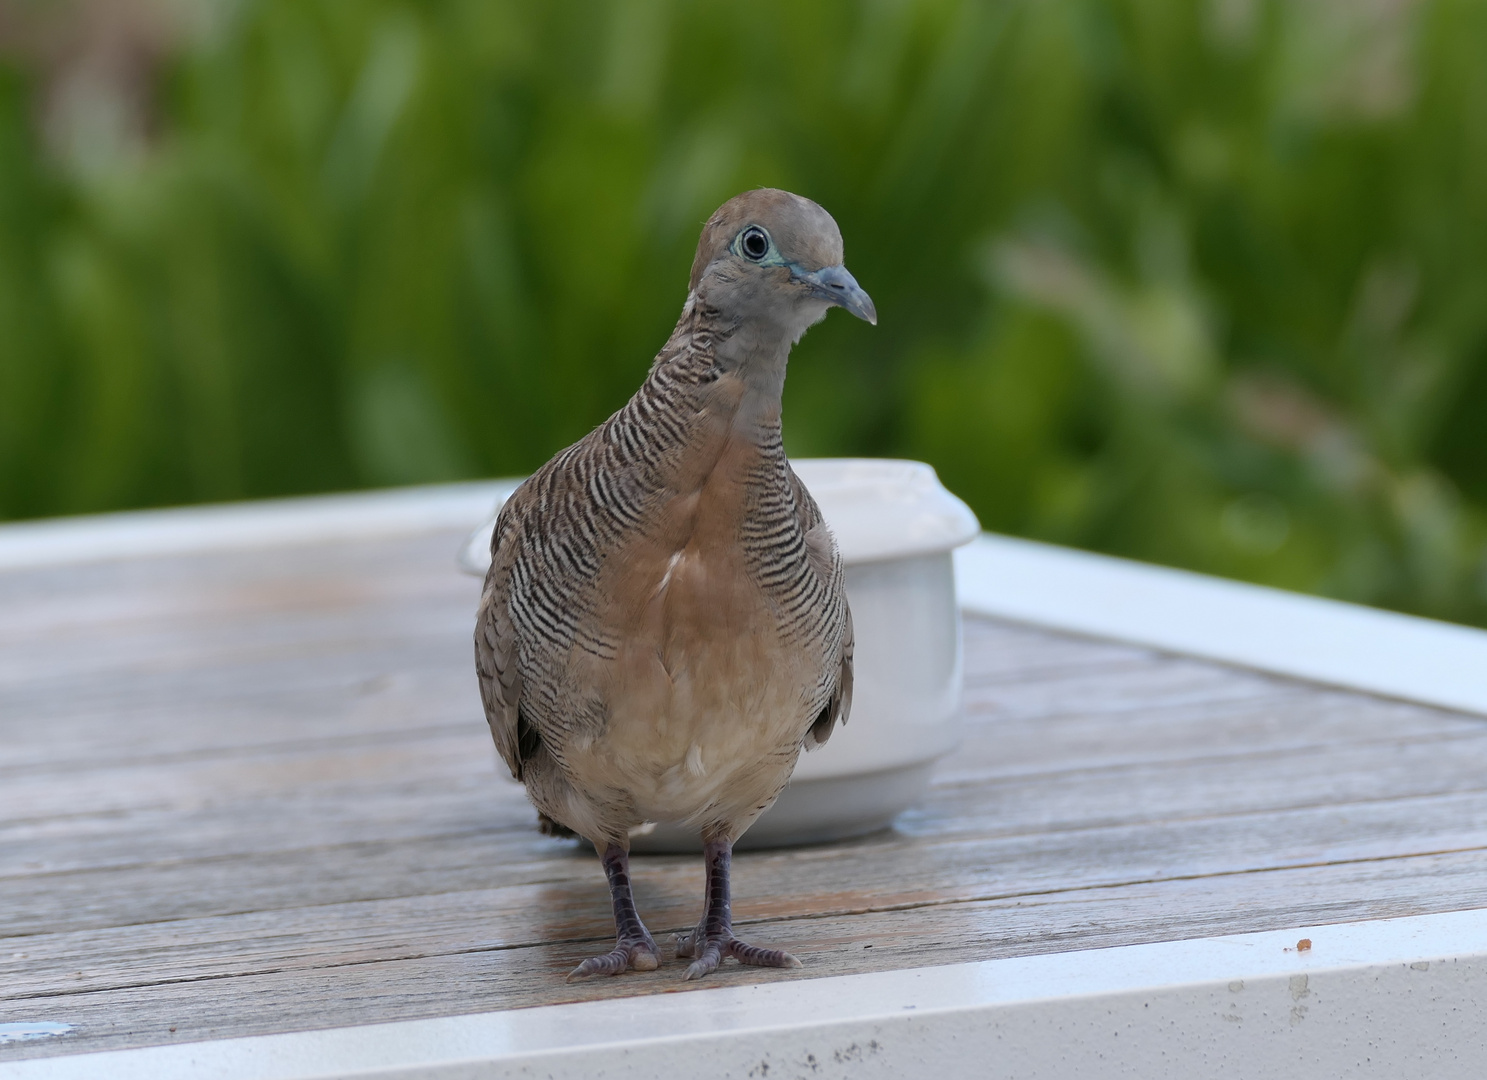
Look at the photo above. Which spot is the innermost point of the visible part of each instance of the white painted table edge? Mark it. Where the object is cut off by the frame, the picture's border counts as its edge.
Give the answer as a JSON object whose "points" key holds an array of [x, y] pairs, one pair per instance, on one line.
{"points": [[1390, 997], [1308, 637], [241, 526]]}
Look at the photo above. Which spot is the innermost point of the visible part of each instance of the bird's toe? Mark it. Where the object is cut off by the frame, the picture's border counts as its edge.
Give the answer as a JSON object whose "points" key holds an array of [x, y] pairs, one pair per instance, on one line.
{"points": [[711, 954], [706, 963], [754, 956], [626, 956]]}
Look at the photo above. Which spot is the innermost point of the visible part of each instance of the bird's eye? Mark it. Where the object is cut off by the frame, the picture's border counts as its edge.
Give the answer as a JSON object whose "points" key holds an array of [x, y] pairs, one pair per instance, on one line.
{"points": [[754, 243]]}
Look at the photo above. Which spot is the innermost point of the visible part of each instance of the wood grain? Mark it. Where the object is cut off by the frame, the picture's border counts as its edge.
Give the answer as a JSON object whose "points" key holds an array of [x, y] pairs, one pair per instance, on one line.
{"points": [[250, 792]]}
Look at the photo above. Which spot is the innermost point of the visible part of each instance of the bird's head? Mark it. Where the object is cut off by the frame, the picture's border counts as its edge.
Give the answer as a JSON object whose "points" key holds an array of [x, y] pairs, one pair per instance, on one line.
{"points": [[773, 256]]}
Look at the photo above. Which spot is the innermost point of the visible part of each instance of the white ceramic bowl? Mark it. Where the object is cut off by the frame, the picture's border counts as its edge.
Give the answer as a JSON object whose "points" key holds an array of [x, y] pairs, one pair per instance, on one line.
{"points": [[896, 526]]}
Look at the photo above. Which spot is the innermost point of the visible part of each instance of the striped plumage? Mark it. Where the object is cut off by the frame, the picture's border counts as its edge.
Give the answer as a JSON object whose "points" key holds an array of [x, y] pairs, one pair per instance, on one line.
{"points": [[664, 625]]}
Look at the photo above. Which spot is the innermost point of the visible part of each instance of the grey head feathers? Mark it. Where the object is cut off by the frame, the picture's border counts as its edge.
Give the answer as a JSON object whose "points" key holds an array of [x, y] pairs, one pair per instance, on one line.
{"points": [[775, 257]]}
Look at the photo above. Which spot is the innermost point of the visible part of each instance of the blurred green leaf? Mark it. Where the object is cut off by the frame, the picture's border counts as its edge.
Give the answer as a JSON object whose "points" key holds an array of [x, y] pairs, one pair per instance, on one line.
{"points": [[1196, 281]]}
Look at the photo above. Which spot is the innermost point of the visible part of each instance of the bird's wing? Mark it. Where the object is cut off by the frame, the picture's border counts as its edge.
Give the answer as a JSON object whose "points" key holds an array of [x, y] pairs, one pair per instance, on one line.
{"points": [[496, 644], [839, 707], [822, 550]]}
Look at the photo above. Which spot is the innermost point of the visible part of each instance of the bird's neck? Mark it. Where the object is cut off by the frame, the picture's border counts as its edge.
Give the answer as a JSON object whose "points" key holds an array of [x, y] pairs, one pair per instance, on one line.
{"points": [[757, 361], [710, 408], [750, 355]]}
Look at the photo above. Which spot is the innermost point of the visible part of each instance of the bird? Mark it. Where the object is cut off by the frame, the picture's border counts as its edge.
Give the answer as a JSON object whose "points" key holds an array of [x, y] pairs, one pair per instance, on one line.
{"points": [[664, 625]]}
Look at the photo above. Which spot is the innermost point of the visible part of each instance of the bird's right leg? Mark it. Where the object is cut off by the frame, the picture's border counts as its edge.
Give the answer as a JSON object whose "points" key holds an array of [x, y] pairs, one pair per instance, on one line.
{"points": [[713, 939], [633, 947]]}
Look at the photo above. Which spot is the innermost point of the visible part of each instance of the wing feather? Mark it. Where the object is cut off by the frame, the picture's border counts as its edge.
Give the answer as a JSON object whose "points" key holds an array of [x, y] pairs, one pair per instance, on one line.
{"points": [[822, 549], [496, 645]]}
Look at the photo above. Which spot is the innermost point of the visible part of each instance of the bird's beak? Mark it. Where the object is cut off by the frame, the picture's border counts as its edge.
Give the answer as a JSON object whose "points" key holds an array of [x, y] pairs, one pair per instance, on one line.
{"points": [[836, 285]]}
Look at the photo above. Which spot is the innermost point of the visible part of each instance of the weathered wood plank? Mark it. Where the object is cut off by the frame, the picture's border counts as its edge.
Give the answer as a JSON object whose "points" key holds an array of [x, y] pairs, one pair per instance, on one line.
{"points": [[930, 855], [564, 899], [488, 976], [443, 782]]}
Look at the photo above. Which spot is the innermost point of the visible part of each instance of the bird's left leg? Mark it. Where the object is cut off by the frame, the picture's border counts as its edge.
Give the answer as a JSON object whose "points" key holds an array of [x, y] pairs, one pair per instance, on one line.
{"points": [[713, 939], [633, 947]]}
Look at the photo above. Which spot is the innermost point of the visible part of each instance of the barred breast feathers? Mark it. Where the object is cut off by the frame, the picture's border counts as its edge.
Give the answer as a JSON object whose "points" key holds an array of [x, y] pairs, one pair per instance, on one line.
{"points": [[555, 532], [552, 536]]}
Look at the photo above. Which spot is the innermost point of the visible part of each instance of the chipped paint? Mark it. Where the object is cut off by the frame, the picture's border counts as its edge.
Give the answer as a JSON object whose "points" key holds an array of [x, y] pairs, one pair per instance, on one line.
{"points": [[36, 1029]]}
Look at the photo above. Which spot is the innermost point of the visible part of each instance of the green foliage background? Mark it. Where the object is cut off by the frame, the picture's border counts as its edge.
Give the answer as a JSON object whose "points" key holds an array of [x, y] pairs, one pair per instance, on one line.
{"points": [[1195, 282]]}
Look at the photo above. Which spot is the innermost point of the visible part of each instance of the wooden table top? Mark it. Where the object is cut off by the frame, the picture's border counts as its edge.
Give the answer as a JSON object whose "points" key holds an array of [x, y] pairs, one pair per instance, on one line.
{"points": [[249, 792]]}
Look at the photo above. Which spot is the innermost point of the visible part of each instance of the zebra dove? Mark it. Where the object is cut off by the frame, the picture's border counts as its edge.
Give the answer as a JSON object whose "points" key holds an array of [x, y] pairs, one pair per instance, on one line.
{"points": [[663, 627]]}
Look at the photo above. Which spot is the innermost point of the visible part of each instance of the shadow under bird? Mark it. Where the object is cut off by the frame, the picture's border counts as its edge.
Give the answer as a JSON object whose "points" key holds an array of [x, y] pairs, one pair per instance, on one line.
{"points": [[664, 625]]}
